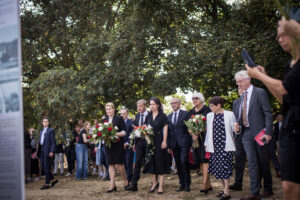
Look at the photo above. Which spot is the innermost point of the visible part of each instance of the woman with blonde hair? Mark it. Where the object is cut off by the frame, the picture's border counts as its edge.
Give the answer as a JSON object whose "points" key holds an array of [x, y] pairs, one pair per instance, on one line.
{"points": [[115, 153]]}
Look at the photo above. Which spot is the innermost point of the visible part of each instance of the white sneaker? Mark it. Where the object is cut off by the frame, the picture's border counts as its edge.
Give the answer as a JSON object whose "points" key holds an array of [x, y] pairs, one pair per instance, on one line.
{"points": [[36, 179], [94, 171], [68, 174]]}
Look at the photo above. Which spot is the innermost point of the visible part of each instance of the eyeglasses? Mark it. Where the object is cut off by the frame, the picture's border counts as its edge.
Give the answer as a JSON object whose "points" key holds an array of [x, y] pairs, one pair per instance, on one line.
{"points": [[195, 98], [172, 103]]}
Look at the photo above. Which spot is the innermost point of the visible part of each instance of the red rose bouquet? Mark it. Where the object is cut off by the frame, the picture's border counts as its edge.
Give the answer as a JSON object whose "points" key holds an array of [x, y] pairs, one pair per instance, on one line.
{"points": [[105, 132], [196, 125]]}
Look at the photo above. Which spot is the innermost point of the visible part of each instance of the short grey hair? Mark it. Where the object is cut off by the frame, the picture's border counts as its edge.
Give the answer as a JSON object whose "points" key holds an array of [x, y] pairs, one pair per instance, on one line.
{"points": [[241, 74], [142, 101], [176, 99], [199, 95], [126, 109]]}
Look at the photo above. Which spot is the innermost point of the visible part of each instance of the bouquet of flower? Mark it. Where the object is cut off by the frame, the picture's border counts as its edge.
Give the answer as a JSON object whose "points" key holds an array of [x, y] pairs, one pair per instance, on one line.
{"points": [[145, 132], [105, 132], [196, 124]]}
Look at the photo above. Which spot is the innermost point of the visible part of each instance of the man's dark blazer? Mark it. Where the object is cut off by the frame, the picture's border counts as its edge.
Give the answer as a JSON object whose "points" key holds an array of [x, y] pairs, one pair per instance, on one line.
{"points": [[136, 123], [129, 129], [49, 141], [259, 114], [178, 133]]}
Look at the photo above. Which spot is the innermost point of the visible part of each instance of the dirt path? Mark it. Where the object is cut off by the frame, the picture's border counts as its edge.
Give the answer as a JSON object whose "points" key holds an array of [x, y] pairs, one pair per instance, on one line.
{"points": [[93, 188]]}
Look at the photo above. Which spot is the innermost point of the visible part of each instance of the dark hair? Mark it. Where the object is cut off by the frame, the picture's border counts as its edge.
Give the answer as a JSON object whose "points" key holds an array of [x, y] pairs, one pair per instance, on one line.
{"points": [[157, 101], [47, 119], [217, 100]]}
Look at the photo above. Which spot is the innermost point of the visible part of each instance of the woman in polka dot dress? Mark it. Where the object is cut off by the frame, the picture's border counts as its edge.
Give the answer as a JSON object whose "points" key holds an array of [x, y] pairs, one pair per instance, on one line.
{"points": [[219, 142]]}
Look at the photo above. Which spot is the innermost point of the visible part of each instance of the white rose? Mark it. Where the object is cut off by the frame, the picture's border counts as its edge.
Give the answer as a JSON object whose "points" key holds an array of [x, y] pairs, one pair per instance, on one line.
{"points": [[137, 133], [100, 128], [106, 123], [116, 128], [94, 136], [194, 120]]}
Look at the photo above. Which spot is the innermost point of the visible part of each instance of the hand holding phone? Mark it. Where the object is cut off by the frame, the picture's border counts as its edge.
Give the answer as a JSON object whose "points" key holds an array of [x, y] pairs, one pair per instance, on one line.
{"points": [[247, 59]]}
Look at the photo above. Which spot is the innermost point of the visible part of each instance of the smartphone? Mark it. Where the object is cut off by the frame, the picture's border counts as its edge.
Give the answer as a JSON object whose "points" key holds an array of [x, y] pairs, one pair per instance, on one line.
{"points": [[247, 59]]}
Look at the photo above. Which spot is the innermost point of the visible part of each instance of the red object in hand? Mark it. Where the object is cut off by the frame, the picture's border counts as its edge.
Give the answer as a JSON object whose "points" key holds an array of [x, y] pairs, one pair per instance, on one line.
{"points": [[207, 155]]}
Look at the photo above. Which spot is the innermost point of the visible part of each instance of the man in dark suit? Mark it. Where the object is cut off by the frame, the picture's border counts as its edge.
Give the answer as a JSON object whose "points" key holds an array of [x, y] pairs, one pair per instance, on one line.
{"points": [[255, 115], [240, 154], [139, 144], [128, 150], [47, 146], [179, 143]]}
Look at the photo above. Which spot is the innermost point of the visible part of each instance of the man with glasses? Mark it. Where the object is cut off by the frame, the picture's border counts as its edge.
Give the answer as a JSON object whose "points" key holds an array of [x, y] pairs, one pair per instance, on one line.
{"points": [[180, 142]]}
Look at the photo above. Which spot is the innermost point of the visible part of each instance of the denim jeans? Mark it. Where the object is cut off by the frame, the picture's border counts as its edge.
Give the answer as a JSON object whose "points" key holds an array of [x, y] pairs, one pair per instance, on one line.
{"points": [[82, 161]]}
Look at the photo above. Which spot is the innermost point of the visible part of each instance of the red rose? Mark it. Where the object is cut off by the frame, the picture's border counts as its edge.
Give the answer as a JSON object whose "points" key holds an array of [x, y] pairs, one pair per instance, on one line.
{"points": [[89, 137], [192, 116], [97, 126], [118, 140], [99, 133], [136, 127], [109, 128], [197, 121], [204, 119], [105, 121]]}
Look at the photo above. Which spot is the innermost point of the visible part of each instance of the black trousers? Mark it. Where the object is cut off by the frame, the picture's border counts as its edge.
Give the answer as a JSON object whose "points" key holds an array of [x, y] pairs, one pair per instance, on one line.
{"points": [[181, 156], [128, 163], [240, 159], [140, 151], [46, 163], [71, 157]]}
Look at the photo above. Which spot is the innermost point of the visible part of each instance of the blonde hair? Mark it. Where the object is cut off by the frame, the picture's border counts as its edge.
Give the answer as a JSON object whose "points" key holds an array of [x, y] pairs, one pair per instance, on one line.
{"points": [[86, 124], [110, 104]]}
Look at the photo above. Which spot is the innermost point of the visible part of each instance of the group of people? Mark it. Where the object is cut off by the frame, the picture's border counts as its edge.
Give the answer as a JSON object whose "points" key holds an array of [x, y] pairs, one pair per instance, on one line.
{"points": [[229, 136]]}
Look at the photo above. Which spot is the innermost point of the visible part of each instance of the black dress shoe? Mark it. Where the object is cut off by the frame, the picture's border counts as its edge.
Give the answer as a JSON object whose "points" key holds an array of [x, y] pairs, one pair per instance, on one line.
{"points": [[160, 192], [152, 191], [45, 187], [181, 188], [206, 190], [112, 190], [266, 194], [220, 194], [54, 182], [187, 188], [225, 197], [235, 187], [133, 188]]}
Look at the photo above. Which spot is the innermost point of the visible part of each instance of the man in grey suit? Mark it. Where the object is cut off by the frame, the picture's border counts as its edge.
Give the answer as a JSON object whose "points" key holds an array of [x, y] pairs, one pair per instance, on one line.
{"points": [[254, 115]]}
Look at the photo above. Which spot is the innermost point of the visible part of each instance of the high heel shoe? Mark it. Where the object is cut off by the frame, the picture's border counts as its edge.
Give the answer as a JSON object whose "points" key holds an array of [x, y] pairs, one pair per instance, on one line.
{"points": [[152, 191], [112, 190], [206, 190]]}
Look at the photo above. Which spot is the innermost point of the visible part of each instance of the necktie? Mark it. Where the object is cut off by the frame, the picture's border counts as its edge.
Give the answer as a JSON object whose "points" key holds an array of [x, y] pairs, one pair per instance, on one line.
{"points": [[142, 119], [175, 118], [245, 122]]}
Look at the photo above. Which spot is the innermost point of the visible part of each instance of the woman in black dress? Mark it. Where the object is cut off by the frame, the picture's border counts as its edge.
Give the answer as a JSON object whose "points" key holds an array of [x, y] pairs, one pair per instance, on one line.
{"points": [[159, 163], [199, 153], [287, 92], [115, 153]]}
